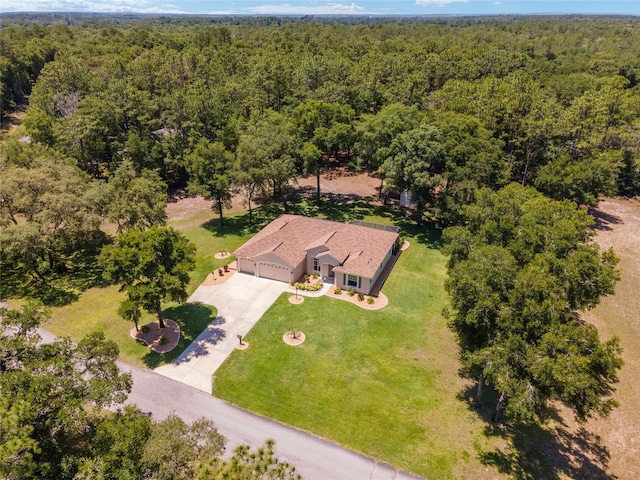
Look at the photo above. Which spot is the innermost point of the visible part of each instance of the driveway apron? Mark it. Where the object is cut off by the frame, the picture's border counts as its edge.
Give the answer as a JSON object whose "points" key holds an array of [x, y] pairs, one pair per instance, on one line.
{"points": [[240, 302]]}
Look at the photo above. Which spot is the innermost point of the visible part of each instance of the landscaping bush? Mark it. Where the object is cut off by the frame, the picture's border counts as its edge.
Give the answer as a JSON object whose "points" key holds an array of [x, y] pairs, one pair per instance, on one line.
{"points": [[370, 300], [337, 291], [360, 297], [308, 287], [351, 292], [144, 328], [163, 340]]}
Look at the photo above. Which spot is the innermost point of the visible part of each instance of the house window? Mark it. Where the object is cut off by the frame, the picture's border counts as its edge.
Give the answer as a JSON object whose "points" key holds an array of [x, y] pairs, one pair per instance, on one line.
{"points": [[352, 280], [316, 265]]}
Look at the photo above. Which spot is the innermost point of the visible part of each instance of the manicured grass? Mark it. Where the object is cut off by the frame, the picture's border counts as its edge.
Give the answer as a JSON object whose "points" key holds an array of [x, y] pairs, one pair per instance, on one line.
{"points": [[96, 310], [382, 382]]}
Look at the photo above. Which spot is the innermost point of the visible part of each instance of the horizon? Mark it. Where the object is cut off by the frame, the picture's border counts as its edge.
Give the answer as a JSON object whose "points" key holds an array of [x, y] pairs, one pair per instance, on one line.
{"points": [[296, 8]]}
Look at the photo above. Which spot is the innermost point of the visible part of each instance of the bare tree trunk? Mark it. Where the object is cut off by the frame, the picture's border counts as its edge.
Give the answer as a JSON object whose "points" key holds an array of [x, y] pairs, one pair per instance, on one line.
{"points": [[499, 406], [159, 311], [479, 392], [219, 205], [318, 183], [381, 186]]}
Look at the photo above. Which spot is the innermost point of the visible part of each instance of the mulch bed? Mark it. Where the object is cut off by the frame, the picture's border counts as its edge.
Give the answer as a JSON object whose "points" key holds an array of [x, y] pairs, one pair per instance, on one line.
{"points": [[296, 300], [214, 278], [379, 302], [154, 333], [290, 340]]}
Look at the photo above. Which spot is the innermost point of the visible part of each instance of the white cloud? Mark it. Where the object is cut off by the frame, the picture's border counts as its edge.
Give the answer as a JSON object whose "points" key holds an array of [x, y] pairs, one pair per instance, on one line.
{"points": [[439, 3], [115, 6], [327, 9]]}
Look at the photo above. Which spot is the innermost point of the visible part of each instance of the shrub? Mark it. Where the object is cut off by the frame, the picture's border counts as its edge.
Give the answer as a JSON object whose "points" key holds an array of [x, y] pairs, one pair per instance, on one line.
{"points": [[163, 340], [351, 292], [144, 328], [370, 300], [315, 275], [337, 291], [308, 287], [306, 279], [360, 297]]}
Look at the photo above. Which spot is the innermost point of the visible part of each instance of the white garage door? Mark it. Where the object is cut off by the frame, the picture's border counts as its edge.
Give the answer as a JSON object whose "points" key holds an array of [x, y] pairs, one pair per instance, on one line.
{"points": [[274, 271]]}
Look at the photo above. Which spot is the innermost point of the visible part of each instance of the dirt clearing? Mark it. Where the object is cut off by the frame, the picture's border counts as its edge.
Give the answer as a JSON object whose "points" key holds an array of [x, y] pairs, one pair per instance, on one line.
{"points": [[618, 226]]}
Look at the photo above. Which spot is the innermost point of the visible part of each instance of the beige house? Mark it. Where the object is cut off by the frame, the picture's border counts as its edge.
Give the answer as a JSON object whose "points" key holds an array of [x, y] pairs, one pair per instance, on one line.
{"points": [[352, 255]]}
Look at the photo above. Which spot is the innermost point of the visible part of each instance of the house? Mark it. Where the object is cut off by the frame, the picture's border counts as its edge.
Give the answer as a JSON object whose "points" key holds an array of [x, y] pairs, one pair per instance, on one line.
{"points": [[353, 255]]}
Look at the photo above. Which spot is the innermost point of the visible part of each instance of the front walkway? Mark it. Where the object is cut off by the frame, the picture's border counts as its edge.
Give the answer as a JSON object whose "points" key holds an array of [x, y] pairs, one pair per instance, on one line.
{"points": [[241, 301]]}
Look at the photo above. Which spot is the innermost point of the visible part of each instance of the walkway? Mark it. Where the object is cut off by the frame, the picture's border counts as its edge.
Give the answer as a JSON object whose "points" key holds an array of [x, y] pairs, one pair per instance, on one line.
{"points": [[240, 301]]}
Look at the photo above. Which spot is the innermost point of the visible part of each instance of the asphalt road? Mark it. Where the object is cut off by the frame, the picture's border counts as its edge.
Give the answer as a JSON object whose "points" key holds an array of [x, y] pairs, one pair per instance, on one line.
{"points": [[313, 457]]}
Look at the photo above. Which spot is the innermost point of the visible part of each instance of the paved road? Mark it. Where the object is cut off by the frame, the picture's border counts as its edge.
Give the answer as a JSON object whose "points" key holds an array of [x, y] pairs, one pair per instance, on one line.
{"points": [[314, 458]]}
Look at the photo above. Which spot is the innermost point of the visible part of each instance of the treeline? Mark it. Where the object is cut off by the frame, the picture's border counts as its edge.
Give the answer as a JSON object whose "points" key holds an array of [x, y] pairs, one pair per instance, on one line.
{"points": [[557, 98]]}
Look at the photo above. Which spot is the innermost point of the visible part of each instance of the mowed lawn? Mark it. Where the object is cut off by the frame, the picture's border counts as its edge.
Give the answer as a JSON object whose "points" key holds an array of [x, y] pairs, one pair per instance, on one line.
{"points": [[383, 382], [96, 309]]}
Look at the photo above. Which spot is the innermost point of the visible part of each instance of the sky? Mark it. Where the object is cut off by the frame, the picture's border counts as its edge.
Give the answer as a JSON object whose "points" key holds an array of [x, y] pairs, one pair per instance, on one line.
{"points": [[323, 7]]}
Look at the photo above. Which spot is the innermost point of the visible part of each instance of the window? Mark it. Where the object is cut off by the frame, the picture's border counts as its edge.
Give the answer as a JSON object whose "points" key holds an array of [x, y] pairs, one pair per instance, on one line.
{"points": [[316, 265], [352, 280]]}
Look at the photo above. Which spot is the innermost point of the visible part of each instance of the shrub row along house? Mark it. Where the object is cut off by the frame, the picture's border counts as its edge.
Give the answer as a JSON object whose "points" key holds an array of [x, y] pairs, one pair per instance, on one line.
{"points": [[351, 255]]}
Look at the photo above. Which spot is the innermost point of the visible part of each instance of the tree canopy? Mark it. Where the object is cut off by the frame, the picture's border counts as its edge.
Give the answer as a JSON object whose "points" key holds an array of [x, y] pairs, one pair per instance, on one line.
{"points": [[151, 266]]}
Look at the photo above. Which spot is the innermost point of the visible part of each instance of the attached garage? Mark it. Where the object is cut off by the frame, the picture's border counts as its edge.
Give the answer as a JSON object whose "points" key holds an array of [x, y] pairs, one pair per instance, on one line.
{"points": [[273, 271]]}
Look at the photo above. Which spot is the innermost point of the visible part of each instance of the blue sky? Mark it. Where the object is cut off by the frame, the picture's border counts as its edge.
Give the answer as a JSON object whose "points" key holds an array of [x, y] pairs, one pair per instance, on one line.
{"points": [[323, 7]]}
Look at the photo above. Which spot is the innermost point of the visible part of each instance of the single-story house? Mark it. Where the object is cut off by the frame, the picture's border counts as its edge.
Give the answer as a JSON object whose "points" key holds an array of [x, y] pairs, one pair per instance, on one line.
{"points": [[352, 254]]}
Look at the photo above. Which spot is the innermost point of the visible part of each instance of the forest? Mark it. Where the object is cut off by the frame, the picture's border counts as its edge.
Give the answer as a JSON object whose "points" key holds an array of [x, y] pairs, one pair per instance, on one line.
{"points": [[504, 131]]}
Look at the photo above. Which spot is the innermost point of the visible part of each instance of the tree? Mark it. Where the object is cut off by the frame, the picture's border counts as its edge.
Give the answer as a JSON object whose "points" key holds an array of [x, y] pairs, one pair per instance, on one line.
{"points": [[247, 465], [52, 395], [210, 168], [60, 223], [174, 448], [324, 125], [519, 272], [415, 163], [136, 200], [151, 266]]}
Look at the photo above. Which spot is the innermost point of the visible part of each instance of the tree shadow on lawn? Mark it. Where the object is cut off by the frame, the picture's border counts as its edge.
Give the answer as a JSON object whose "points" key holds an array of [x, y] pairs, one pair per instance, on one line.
{"points": [[193, 318], [548, 451], [335, 207]]}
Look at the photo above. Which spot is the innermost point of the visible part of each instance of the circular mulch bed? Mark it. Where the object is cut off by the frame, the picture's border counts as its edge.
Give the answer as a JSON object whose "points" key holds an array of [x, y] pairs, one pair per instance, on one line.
{"points": [[242, 346], [296, 300], [289, 339], [154, 333], [404, 245], [221, 255]]}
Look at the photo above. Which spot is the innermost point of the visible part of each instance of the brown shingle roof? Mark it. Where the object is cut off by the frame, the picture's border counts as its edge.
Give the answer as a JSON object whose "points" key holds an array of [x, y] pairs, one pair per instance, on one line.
{"points": [[360, 249]]}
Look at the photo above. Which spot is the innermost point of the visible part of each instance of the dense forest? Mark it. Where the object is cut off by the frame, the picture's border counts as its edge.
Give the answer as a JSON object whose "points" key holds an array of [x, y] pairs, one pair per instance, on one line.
{"points": [[503, 131]]}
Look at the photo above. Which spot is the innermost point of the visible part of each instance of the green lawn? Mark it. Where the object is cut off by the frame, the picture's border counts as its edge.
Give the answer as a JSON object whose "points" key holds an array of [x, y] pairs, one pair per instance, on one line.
{"points": [[96, 308], [382, 382]]}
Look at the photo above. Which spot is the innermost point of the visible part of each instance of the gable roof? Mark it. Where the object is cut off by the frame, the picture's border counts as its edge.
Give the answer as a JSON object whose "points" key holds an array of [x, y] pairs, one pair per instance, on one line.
{"points": [[360, 249]]}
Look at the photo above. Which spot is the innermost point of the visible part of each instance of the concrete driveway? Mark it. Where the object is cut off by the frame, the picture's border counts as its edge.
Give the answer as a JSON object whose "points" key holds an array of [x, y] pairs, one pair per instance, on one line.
{"points": [[240, 302]]}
